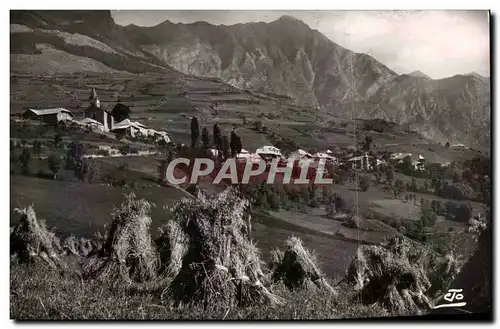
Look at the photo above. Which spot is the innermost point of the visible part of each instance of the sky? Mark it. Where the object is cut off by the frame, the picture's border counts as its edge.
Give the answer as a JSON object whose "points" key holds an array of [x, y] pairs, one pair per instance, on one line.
{"points": [[438, 43]]}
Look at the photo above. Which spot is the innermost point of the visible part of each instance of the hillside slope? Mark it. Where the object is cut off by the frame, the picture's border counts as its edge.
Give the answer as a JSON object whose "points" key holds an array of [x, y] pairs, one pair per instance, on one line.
{"points": [[288, 57], [284, 57]]}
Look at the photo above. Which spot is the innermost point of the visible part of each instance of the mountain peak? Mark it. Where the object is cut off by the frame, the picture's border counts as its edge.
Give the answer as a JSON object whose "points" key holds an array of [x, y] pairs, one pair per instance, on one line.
{"points": [[289, 18], [419, 74], [477, 75]]}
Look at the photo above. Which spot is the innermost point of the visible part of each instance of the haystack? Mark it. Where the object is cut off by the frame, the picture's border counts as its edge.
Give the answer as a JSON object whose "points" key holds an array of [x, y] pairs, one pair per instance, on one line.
{"points": [[298, 267], [210, 255], [30, 240], [127, 249], [391, 275]]}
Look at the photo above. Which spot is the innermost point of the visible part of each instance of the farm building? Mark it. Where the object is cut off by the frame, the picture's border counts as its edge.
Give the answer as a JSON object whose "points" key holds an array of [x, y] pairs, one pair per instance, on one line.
{"points": [[91, 123], [267, 152], [252, 157], [361, 162], [325, 156], [162, 135], [419, 164], [243, 154], [129, 128], [399, 156], [460, 146], [299, 155], [52, 116]]}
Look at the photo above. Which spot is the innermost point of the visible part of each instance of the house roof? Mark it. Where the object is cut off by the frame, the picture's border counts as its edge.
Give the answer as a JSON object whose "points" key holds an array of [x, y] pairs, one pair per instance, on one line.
{"points": [[127, 123], [90, 121], [122, 124], [300, 152], [323, 156], [50, 111], [137, 123], [268, 150], [397, 156]]}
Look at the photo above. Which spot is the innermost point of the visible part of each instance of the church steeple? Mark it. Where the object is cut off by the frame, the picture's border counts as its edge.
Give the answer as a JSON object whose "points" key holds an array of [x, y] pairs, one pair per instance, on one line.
{"points": [[94, 100]]}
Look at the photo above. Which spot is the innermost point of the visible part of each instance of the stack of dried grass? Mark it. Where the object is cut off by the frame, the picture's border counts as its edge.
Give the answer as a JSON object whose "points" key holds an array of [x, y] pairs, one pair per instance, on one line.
{"points": [[210, 255], [391, 275], [297, 267], [31, 241], [127, 249]]}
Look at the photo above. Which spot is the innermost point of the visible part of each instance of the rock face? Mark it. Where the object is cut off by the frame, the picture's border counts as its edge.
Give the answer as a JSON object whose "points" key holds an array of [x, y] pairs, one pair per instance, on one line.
{"points": [[287, 57], [284, 57]]}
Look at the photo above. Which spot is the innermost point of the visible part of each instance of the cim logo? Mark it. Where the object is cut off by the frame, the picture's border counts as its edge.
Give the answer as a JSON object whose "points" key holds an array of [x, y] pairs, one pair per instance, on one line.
{"points": [[451, 297]]}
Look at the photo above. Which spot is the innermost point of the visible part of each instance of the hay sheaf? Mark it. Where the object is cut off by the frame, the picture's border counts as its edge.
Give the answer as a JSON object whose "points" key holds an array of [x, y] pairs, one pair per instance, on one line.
{"points": [[297, 267], [210, 255], [31, 240], [392, 275], [127, 252]]}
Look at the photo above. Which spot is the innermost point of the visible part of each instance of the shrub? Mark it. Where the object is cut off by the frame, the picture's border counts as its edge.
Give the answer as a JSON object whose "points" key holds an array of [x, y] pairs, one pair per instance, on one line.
{"points": [[352, 222], [389, 175], [258, 125], [74, 153], [37, 147], [57, 140], [54, 165], [25, 160], [458, 191], [86, 170], [364, 183], [273, 200], [463, 213], [399, 184], [338, 205], [428, 217]]}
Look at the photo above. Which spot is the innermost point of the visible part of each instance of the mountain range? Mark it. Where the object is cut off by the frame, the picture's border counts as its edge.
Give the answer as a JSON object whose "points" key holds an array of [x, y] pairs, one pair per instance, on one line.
{"points": [[284, 57]]}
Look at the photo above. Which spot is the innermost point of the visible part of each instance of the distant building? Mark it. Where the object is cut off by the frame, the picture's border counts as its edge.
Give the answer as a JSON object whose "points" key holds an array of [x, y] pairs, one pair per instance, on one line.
{"points": [[460, 146], [396, 157], [363, 162], [243, 154], [299, 155], [323, 156], [419, 164], [52, 116], [269, 152], [91, 123], [95, 112], [126, 128]]}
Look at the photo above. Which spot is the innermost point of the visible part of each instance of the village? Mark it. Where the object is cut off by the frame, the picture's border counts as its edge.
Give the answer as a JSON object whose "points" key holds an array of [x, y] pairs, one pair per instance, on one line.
{"points": [[100, 120]]}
